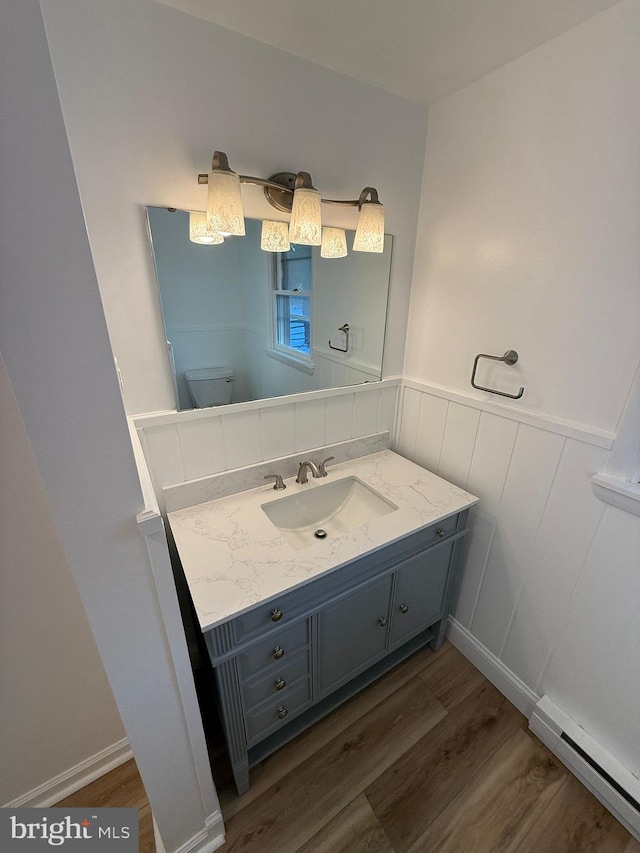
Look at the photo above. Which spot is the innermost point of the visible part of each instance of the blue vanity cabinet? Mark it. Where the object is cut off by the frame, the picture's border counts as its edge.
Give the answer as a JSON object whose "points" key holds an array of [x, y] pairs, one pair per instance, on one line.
{"points": [[285, 663], [420, 584], [352, 633]]}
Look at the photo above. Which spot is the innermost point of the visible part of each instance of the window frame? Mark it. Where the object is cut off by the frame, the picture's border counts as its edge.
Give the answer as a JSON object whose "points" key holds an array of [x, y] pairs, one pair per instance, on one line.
{"points": [[290, 355]]}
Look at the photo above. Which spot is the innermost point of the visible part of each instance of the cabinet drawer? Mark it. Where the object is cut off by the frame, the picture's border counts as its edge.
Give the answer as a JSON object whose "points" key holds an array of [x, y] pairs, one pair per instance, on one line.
{"points": [[279, 681], [271, 615], [278, 646], [275, 714], [443, 529]]}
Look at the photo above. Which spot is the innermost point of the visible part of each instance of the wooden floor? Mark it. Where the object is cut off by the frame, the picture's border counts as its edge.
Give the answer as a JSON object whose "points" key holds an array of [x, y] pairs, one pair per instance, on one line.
{"points": [[429, 758], [121, 788]]}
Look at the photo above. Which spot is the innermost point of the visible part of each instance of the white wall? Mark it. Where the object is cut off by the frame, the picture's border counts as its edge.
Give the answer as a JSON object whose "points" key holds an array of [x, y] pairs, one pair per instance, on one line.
{"points": [[148, 93], [51, 676], [58, 358], [528, 239], [529, 226]]}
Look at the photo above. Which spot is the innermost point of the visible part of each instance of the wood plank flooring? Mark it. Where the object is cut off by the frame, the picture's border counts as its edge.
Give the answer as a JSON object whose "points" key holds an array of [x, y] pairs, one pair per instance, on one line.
{"points": [[120, 788], [429, 759]]}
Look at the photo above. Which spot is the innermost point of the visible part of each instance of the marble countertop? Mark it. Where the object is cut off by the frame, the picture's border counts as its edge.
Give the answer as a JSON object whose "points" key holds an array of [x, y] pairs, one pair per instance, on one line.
{"points": [[234, 557]]}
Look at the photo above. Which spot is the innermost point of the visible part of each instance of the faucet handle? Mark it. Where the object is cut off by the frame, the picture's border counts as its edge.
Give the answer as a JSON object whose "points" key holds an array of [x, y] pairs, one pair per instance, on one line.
{"points": [[279, 482], [321, 468]]}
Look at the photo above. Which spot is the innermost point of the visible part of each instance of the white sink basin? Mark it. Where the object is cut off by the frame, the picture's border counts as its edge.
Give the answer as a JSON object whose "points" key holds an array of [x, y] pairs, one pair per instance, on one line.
{"points": [[330, 509]]}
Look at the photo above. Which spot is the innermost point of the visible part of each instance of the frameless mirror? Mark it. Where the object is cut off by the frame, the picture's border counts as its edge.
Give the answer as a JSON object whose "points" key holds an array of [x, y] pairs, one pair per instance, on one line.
{"points": [[244, 324]]}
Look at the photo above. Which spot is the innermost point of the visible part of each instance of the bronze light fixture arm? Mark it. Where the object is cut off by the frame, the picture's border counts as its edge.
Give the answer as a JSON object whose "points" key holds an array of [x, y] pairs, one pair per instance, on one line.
{"points": [[203, 178], [279, 187]]}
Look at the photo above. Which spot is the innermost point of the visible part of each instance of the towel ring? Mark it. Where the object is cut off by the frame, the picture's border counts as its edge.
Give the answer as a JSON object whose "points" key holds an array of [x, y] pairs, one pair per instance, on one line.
{"points": [[344, 328], [510, 357]]}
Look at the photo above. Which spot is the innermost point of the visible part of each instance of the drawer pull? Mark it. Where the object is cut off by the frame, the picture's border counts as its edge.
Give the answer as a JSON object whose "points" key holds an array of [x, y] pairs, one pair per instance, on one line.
{"points": [[441, 532], [282, 712], [404, 608], [382, 621], [280, 683], [276, 615], [278, 652]]}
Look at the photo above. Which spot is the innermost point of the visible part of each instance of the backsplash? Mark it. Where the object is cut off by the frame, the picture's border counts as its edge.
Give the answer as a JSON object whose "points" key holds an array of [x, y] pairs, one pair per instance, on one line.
{"points": [[240, 479], [184, 446]]}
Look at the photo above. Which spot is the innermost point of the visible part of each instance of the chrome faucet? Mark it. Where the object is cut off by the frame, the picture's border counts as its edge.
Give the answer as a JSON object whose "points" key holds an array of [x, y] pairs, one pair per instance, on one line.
{"points": [[321, 469], [302, 471], [279, 482]]}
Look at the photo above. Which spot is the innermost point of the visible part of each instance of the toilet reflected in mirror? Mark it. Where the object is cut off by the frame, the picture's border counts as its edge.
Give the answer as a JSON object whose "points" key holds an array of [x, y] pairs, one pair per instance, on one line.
{"points": [[209, 386]]}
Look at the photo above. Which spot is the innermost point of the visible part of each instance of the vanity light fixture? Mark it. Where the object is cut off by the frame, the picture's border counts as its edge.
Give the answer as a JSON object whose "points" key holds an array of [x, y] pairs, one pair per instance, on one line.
{"points": [[306, 217], [370, 231], [199, 231], [224, 203], [334, 243], [275, 236], [294, 194]]}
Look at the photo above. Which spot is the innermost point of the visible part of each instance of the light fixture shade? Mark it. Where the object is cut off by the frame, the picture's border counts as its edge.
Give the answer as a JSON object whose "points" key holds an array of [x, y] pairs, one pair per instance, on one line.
{"points": [[306, 225], [334, 243], [199, 231], [275, 236], [370, 231], [224, 203]]}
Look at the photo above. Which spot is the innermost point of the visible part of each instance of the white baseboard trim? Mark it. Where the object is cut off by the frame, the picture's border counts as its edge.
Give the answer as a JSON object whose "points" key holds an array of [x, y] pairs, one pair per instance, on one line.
{"points": [[206, 841], [493, 669], [67, 783], [160, 848]]}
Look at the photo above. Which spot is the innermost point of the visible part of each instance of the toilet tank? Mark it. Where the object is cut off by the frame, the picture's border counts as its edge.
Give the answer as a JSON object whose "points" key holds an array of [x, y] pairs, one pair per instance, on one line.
{"points": [[209, 386]]}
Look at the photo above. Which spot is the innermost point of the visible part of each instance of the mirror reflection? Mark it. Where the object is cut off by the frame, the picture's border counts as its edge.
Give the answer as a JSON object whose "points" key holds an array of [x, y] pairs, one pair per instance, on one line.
{"points": [[244, 324]]}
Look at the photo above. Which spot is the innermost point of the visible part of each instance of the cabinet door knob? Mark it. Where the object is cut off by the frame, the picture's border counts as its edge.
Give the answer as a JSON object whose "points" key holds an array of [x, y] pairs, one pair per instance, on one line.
{"points": [[404, 608], [278, 652], [276, 615], [282, 712], [441, 532], [382, 621], [280, 683]]}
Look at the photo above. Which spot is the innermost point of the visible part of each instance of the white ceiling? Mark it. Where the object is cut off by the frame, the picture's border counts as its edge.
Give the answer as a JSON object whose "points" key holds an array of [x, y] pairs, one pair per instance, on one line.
{"points": [[422, 50]]}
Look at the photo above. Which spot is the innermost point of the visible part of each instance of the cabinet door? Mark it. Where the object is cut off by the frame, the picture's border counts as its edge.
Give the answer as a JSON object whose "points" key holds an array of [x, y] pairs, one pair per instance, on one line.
{"points": [[419, 593], [352, 633]]}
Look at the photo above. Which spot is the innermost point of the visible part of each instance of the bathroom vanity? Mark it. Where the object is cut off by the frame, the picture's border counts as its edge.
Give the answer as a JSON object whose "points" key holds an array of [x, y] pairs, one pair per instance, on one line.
{"points": [[296, 624]]}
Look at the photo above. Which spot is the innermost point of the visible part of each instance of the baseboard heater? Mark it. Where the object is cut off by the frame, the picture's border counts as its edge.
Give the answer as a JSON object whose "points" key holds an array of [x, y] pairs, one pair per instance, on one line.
{"points": [[615, 786]]}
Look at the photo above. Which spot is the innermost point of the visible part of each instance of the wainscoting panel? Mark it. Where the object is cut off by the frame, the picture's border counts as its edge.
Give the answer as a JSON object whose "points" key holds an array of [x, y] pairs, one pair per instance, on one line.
{"points": [[339, 419], [408, 424], [162, 448], [202, 446], [488, 472], [242, 436], [278, 424], [458, 443], [430, 431], [189, 445], [566, 531], [310, 420], [531, 532], [595, 669], [532, 468]]}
